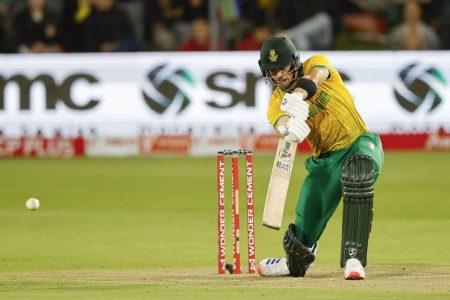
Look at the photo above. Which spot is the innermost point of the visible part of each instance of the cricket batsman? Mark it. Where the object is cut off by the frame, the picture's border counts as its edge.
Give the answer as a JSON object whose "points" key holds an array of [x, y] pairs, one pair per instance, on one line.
{"points": [[310, 101]]}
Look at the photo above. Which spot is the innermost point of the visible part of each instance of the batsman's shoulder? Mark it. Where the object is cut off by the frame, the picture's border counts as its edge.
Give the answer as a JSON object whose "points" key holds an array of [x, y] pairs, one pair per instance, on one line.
{"points": [[317, 60]]}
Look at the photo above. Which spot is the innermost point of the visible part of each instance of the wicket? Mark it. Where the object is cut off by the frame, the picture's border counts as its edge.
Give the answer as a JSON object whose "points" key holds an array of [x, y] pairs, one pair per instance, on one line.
{"points": [[222, 265]]}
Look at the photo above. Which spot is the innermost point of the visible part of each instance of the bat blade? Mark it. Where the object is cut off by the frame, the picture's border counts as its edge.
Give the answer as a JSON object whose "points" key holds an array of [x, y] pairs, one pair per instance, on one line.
{"points": [[279, 184]]}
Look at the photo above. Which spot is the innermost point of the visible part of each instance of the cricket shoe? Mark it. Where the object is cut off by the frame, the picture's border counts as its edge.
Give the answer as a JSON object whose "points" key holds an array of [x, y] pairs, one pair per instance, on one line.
{"points": [[354, 270], [273, 267]]}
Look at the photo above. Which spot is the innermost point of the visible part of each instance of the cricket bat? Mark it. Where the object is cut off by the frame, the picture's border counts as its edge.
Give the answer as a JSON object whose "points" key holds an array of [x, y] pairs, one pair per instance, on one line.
{"points": [[279, 184]]}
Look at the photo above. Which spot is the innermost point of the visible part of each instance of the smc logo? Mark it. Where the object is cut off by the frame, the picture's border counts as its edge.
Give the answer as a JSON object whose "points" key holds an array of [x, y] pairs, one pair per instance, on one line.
{"points": [[55, 93]]}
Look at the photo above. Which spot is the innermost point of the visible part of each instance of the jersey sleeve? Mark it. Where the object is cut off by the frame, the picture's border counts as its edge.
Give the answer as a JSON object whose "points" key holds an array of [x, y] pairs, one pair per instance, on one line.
{"points": [[274, 113], [320, 61]]}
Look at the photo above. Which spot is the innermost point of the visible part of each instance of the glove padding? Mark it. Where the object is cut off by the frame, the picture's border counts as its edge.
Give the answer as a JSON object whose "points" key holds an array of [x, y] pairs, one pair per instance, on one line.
{"points": [[294, 106], [295, 130]]}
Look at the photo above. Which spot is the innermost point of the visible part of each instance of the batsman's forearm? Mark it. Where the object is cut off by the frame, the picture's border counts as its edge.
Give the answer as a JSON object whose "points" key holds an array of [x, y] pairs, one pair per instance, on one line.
{"points": [[302, 92], [316, 75]]}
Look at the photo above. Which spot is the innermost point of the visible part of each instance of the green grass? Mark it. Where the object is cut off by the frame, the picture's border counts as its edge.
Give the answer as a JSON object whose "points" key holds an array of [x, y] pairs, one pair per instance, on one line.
{"points": [[145, 228]]}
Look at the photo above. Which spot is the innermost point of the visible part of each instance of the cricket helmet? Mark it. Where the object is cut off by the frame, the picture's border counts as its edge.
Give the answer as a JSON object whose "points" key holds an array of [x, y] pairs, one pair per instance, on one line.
{"points": [[276, 53]]}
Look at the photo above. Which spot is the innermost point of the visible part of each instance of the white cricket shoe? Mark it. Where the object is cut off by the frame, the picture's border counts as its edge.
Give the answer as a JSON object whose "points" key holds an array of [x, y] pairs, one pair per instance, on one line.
{"points": [[273, 267], [354, 270]]}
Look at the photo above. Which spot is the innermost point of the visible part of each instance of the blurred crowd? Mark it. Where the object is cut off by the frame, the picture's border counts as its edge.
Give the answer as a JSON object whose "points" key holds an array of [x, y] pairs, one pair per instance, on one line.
{"points": [[40, 26]]}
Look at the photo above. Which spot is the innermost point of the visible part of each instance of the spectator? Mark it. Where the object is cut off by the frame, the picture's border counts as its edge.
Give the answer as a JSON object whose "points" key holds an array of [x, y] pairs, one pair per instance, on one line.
{"points": [[255, 19], [108, 29], [74, 14], [35, 29], [306, 24], [444, 25], [366, 21], [201, 37], [413, 33], [290, 13], [162, 19], [163, 39], [3, 25], [253, 41], [167, 11], [195, 9], [315, 33]]}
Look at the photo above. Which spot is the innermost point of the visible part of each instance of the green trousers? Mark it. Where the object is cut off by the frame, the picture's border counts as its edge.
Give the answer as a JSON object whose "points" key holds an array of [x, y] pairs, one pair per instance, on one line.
{"points": [[321, 190]]}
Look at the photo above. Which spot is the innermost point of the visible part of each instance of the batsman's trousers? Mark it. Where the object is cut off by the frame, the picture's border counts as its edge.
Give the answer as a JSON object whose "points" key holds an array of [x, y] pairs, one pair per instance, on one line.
{"points": [[321, 190]]}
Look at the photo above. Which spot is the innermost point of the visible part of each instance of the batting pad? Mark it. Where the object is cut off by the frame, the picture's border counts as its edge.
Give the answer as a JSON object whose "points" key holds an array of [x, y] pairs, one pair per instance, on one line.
{"points": [[358, 192]]}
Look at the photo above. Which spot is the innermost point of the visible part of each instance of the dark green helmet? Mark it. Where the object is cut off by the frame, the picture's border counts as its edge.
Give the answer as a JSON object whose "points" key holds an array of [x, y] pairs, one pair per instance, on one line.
{"points": [[276, 53]]}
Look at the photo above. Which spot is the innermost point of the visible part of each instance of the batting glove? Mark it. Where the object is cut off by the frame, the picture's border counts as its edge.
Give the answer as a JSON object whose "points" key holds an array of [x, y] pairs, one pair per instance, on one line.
{"points": [[294, 106], [295, 130]]}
